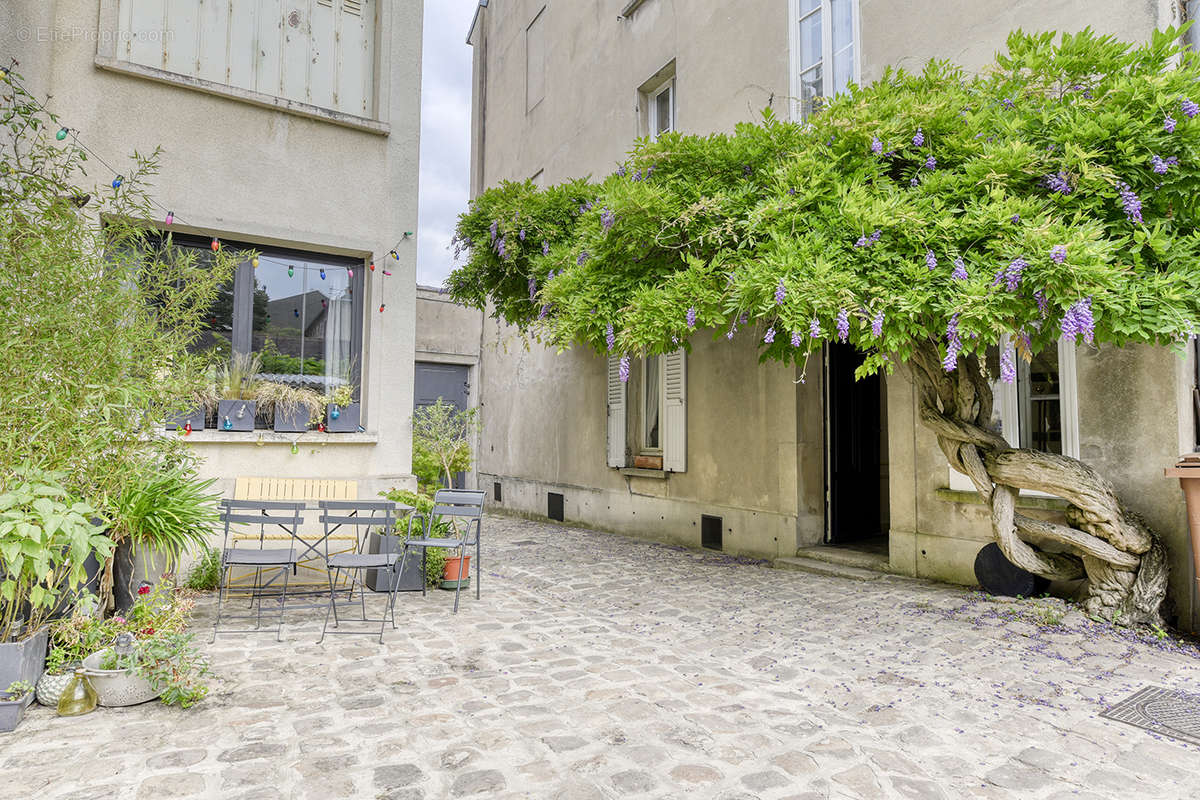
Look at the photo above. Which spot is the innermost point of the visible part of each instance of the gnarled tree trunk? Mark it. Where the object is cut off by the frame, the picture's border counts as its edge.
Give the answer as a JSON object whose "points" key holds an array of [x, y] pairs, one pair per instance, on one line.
{"points": [[1123, 560]]}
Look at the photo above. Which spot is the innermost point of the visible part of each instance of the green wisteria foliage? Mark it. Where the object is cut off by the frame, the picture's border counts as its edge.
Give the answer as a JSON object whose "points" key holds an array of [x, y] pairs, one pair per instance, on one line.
{"points": [[1054, 193]]}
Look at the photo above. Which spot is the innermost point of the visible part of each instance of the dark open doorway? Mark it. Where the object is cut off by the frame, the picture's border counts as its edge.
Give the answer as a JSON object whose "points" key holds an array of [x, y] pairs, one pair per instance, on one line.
{"points": [[856, 453]]}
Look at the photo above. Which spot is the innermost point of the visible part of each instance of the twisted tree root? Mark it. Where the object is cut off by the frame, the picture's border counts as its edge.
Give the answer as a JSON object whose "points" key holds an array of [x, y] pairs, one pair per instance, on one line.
{"points": [[1124, 561]]}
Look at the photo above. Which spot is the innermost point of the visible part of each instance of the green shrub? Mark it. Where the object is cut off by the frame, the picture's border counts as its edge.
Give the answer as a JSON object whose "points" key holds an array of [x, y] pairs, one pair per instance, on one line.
{"points": [[205, 574], [423, 503]]}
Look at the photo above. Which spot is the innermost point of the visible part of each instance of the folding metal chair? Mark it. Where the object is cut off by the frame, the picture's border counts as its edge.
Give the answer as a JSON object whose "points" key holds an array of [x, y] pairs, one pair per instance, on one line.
{"points": [[265, 514], [451, 505], [361, 516]]}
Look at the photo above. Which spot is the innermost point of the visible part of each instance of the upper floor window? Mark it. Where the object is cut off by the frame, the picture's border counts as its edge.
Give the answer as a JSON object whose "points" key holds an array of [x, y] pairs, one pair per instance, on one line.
{"points": [[823, 59], [656, 103], [321, 53]]}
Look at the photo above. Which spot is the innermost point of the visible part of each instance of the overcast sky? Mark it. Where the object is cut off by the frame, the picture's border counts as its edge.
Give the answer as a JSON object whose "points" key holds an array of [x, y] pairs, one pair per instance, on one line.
{"points": [[445, 133]]}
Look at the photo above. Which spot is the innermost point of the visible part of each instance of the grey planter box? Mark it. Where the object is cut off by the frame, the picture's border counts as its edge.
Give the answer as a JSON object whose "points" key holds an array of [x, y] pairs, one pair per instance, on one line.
{"points": [[231, 409], [196, 416], [413, 577], [11, 711], [23, 661], [292, 423], [347, 420]]}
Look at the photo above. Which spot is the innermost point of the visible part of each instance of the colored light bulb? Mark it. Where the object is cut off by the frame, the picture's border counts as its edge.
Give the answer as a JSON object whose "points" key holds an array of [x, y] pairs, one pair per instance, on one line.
{"points": [[349, 273], [227, 424], [334, 413], [296, 311], [241, 412], [321, 427], [324, 304], [254, 262], [117, 181], [170, 217], [187, 428], [372, 266], [381, 305], [268, 317], [291, 272], [295, 448], [3, 73], [322, 274], [216, 245], [385, 272], [393, 255], [62, 133]]}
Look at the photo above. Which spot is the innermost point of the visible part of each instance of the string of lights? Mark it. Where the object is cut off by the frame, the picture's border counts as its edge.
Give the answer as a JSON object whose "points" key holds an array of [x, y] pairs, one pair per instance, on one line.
{"points": [[169, 216]]}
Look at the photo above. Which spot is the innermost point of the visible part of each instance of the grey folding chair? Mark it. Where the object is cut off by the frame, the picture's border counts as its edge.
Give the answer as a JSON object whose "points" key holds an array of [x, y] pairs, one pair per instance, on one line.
{"points": [[265, 514], [451, 505], [360, 516]]}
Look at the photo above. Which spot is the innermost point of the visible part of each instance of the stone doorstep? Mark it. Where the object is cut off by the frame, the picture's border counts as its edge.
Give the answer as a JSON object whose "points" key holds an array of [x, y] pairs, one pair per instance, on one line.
{"points": [[818, 567], [846, 557]]}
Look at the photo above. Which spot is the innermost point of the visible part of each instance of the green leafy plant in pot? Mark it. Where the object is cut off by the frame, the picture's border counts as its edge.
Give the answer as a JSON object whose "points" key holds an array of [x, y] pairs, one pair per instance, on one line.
{"points": [[433, 558], [46, 537], [238, 383], [295, 408], [343, 414], [160, 513]]}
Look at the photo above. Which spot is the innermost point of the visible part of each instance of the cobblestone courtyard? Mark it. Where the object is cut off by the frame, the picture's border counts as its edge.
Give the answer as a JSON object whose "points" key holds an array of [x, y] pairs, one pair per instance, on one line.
{"points": [[597, 667]]}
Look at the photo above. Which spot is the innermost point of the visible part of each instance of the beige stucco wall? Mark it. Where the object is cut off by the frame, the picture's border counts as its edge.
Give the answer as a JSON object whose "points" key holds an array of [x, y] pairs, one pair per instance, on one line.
{"points": [[237, 170], [446, 331]]}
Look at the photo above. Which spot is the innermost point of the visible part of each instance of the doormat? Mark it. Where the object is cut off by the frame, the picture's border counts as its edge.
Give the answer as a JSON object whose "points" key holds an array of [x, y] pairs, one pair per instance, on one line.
{"points": [[1163, 711]]}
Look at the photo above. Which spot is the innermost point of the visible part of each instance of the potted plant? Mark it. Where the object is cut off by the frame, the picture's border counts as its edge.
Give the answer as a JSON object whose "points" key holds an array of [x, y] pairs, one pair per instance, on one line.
{"points": [[158, 514], [194, 410], [12, 704], [237, 382], [424, 565], [442, 435], [342, 414], [46, 536], [295, 408]]}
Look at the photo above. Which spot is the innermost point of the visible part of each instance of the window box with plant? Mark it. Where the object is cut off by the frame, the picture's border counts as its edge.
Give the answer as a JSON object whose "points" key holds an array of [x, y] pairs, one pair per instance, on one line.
{"points": [[238, 384], [294, 408], [343, 414], [13, 701]]}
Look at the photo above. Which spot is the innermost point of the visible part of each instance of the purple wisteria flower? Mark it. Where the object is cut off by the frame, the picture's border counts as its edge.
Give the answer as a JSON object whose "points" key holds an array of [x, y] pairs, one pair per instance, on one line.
{"points": [[610, 338], [1011, 275], [532, 288], [953, 344], [960, 270], [792, 192], [1008, 368], [914, 181], [607, 218], [1078, 321], [492, 229], [1042, 303], [623, 369], [1161, 165], [931, 163], [795, 339], [876, 145], [543, 312], [1014, 219], [1130, 202], [729, 335], [583, 256], [746, 170], [743, 319], [1057, 182], [500, 247], [521, 235], [637, 176], [1058, 253], [769, 336], [1169, 124], [620, 170], [919, 138], [1189, 107], [1007, 102], [780, 293], [877, 324], [814, 328], [930, 260], [867, 241], [691, 318], [843, 325]]}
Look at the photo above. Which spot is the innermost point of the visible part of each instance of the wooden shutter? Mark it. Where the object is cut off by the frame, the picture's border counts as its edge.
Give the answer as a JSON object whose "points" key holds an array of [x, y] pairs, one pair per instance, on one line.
{"points": [[674, 442], [616, 414]]}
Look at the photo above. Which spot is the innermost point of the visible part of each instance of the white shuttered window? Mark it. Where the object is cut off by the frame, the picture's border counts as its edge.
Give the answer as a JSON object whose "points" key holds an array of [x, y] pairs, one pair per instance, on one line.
{"points": [[319, 52], [616, 414], [672, 427]]}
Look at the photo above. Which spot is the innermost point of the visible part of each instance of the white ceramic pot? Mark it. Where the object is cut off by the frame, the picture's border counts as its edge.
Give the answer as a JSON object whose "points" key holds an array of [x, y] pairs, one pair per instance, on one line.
{"points": [[117, 687]]}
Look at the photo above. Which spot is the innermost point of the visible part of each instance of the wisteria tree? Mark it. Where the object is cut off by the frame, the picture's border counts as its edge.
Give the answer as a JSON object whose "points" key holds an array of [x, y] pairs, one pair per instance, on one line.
{"points": [[922, 219]]}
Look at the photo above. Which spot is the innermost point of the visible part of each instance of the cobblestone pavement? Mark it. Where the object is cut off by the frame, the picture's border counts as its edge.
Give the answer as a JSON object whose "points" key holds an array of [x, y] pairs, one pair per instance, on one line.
{"points": [[596, 667]]}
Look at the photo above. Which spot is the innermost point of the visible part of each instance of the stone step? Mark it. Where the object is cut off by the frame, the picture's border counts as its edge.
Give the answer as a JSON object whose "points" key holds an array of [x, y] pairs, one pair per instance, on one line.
{"points": [[846, 557], [826, 568]]}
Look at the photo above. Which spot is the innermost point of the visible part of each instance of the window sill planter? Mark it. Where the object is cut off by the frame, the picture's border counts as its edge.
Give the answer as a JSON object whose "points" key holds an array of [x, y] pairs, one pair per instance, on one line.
{"points": [[412, 579], [343, 419], [296, 422], [24, 660], [236, 415], [117, 687], [12, 708], [194, 417], [648, 462]]}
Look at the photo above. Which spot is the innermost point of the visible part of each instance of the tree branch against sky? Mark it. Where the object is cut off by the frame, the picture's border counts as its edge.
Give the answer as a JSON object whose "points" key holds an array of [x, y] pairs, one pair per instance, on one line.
{"points": [[922, 219]]}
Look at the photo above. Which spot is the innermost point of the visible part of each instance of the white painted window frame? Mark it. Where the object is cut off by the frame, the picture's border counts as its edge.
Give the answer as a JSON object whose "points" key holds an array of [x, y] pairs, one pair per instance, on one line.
{"points": [[652, 109], [826, 62], [1007, 402]]}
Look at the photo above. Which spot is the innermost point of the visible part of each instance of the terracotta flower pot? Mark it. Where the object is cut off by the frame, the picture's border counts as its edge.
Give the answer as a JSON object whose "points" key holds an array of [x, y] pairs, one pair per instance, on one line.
{"points": [[450, 575]]}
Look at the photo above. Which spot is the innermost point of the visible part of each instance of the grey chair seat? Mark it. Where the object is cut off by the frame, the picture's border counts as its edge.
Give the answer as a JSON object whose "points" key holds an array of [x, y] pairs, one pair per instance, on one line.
{"points": [[259, 558], [362, 560]]}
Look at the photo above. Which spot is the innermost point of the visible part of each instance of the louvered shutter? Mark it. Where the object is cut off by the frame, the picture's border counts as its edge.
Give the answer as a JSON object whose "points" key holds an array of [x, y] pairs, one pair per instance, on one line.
{"points": [[675, 412], [616, 414]]}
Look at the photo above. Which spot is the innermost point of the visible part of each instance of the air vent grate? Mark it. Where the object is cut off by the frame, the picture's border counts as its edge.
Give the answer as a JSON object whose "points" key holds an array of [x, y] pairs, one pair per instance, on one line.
{"points": [[496, 494], [353, 7], [554, 506], [710, 532]]}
